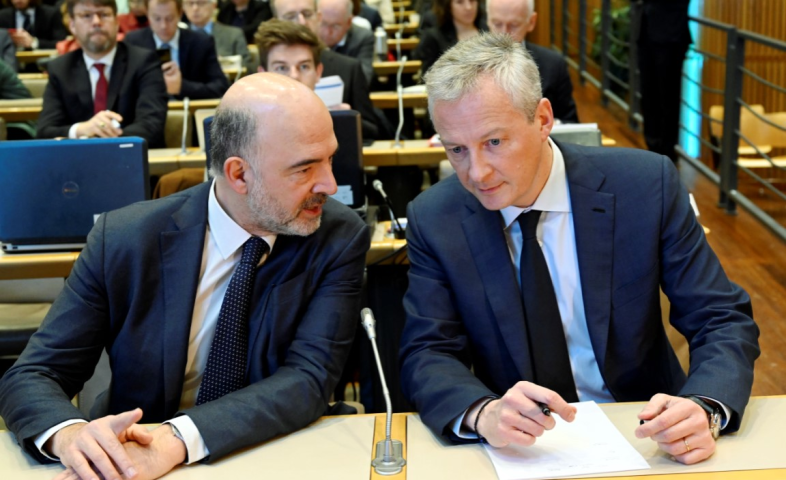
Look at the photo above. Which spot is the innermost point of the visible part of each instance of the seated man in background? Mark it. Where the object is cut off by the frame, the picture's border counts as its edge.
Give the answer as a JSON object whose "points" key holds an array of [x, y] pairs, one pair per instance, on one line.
{"points": [[36, 26], [229, 40], [8, 50], [135, 19], [349, 69], [227, 310], [11, 88], [245, 14], [341, 36], [563, 254], [517, 18], [192, 69], [106, 89]]}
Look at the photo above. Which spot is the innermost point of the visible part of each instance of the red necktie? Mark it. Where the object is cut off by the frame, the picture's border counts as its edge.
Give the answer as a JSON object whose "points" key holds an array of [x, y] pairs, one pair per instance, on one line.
{"points": [[102, 86]]}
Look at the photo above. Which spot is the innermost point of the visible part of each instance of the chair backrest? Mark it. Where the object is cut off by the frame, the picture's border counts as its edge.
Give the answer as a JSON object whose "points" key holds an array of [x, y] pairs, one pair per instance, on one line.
{"points": [[199, 117], [776, 137], [751, 127], [36, 86], [173, 131], [232, 66]]}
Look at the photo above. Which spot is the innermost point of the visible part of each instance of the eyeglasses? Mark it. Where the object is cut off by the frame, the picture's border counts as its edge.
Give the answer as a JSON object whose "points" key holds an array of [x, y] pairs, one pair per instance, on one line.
{"points": [[103, 15], [333, 27], [293, 16], [196, 3]]}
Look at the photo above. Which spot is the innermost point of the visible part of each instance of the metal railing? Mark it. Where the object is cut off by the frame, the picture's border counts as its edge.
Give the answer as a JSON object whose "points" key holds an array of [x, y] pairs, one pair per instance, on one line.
{"points": [[617, 79]]}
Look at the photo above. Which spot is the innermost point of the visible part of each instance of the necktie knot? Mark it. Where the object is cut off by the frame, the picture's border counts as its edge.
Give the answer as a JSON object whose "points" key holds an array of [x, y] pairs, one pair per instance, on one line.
{"points": [[99, 67], [529, 223], [253, 250]]}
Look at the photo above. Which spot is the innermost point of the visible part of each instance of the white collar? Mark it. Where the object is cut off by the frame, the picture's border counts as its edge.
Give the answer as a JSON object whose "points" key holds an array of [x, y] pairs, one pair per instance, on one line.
{"points": [[228, 235], [107, 60], [554, 196]]}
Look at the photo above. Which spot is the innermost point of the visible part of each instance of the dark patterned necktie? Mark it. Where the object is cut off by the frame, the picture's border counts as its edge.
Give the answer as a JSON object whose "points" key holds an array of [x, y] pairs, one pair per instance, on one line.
{"points": [[226, 364], [102, 89], [547, 345]]}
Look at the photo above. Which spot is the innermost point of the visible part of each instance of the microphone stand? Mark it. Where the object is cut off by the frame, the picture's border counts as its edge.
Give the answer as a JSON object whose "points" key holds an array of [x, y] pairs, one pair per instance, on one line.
{"points": [[183, 150], [400, 93], [389, 458]]}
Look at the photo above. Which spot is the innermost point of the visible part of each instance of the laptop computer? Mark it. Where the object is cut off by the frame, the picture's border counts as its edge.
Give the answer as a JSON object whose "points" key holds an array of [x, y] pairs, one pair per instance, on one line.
{"points": [[51, 192]]}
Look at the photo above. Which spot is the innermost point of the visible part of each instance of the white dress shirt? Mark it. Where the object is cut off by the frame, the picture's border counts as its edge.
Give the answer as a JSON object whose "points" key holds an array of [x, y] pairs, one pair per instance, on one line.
{"points": [[224, 240], [92, 72]]}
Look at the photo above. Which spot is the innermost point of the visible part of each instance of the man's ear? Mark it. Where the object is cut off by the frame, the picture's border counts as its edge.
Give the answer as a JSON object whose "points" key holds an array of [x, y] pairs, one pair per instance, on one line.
{"points": [[533, 20], [545, 116], [235, 171], [261, 69], [320, 68]]}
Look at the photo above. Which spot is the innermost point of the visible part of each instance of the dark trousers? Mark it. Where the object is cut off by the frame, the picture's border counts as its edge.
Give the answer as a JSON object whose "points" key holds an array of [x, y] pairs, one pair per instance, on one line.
{"points": [[661, 81]]}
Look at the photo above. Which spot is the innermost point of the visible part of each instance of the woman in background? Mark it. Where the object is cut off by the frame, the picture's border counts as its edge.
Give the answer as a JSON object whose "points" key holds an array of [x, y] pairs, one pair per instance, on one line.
{"points": [[455, 20]]}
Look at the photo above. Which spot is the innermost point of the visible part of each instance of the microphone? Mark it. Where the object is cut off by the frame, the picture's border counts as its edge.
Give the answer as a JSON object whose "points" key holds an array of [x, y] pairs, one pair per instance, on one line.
{"points": [[389, 459], [183, 150], [400, 94], [399, 231]]}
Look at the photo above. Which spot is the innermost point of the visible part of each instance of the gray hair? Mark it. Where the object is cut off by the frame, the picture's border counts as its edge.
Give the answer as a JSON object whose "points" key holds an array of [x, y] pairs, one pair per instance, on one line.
{"points": [[458, 70], [233, 133], [530, 7], [274, 10]]}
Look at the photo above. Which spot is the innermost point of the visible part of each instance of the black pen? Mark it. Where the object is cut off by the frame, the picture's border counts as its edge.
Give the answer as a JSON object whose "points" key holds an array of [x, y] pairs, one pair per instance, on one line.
{"points": [[545, 409]]}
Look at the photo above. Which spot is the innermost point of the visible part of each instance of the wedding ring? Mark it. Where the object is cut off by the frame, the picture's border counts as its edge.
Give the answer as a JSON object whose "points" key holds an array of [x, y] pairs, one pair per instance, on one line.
{"points": [[685, 441], [102, 124]]}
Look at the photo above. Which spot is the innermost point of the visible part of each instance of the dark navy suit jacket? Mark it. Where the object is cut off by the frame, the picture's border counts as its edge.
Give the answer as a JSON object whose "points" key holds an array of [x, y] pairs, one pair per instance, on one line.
{"points": [[136, 91], [635, 232], [132, 291], [202, 75]]}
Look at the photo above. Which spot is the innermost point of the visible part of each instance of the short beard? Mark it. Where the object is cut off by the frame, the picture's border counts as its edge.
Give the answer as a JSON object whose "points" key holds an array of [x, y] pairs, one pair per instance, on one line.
{"points": [[93, 47], [269, 215]]}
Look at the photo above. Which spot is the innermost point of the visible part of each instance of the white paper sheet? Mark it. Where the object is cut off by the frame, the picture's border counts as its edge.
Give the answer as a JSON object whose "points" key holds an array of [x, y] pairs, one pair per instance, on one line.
{"points": [[330, 90], [590, 444]]}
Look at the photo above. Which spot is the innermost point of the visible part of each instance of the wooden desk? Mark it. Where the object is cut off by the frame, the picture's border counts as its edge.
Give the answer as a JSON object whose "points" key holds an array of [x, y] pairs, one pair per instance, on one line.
{"points": [[403, 3], [391, 68], [33, 76], [21, 110], [406, 44], [194, 105], [409, 29], [36, 265], [385, 100], [27, 56]]}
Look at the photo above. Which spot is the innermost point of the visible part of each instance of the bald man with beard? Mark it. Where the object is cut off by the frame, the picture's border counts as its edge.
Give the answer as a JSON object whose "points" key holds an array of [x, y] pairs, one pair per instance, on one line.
{"points": [[151, 288]]}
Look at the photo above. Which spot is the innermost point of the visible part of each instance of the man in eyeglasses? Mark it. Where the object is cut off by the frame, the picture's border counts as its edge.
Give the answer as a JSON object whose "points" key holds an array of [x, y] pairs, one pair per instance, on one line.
{"points": [[229, 39], [341, 36], [105, 89], [356, 90]]}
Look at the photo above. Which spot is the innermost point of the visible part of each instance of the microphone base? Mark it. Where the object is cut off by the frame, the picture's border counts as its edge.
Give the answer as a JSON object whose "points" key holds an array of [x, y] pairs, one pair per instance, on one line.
{"points": [[392, 463]]}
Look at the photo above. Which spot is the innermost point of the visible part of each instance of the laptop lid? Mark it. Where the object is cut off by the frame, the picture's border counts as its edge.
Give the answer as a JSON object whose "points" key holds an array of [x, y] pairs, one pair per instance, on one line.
{"points": [[348, 161], [52, 191]]}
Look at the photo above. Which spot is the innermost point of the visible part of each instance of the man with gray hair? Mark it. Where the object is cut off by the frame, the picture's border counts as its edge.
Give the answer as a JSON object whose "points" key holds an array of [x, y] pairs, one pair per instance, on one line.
{"points": [[227, 310], [539, 265], [341, 36], [517, 18]]}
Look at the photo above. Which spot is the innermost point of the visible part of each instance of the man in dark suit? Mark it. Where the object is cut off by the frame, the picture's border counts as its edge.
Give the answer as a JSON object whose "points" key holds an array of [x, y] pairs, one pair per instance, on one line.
{"points": [[229, 40], [341, 36], [356, 94], [37, 26], [246, 14], [105, 89], [193, 70], [540, 266], [663, 40], [517, 18], [155, 287], [7, 50]]}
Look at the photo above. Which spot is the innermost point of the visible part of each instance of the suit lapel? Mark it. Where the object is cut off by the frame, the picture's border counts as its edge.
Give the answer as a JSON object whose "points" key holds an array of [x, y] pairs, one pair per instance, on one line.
{"points": [[484, 233], [81, 78], [181, 260], [119, 67], [183, 46], [593, 223]]}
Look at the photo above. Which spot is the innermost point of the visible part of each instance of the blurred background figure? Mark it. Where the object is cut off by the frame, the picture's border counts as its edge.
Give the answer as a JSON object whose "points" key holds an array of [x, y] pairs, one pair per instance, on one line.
{"points": [[339, 33], [455, 20], [245, 14], [136, 17]]}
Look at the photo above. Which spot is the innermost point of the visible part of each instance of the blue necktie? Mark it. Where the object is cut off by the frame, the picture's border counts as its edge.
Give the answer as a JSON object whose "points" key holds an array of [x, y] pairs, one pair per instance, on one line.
{"points": [[547, 345], [226, 364]]}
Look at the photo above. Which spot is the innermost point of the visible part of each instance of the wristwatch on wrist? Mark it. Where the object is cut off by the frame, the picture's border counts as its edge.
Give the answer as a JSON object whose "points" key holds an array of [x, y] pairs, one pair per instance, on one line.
{"points": [[713, 414]]}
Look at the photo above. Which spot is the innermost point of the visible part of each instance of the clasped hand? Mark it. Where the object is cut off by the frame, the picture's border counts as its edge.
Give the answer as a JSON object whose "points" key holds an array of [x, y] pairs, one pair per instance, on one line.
{"points": [[115, 447]]}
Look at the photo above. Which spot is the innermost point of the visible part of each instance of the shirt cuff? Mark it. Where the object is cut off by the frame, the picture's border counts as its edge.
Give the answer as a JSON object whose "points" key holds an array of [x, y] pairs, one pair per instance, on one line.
{"points": [[72, 131], [41, 440], [457, 425], [186, 430], [726, 412]]}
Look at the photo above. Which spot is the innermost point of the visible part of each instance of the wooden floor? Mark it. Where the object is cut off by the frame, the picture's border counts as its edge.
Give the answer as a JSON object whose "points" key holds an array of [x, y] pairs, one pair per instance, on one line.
{"points": [[752, 257]]}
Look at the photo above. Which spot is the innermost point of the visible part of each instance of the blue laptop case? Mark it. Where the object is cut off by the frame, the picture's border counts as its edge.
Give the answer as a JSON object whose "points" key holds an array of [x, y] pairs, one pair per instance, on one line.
{"points": [[52, 191]]}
